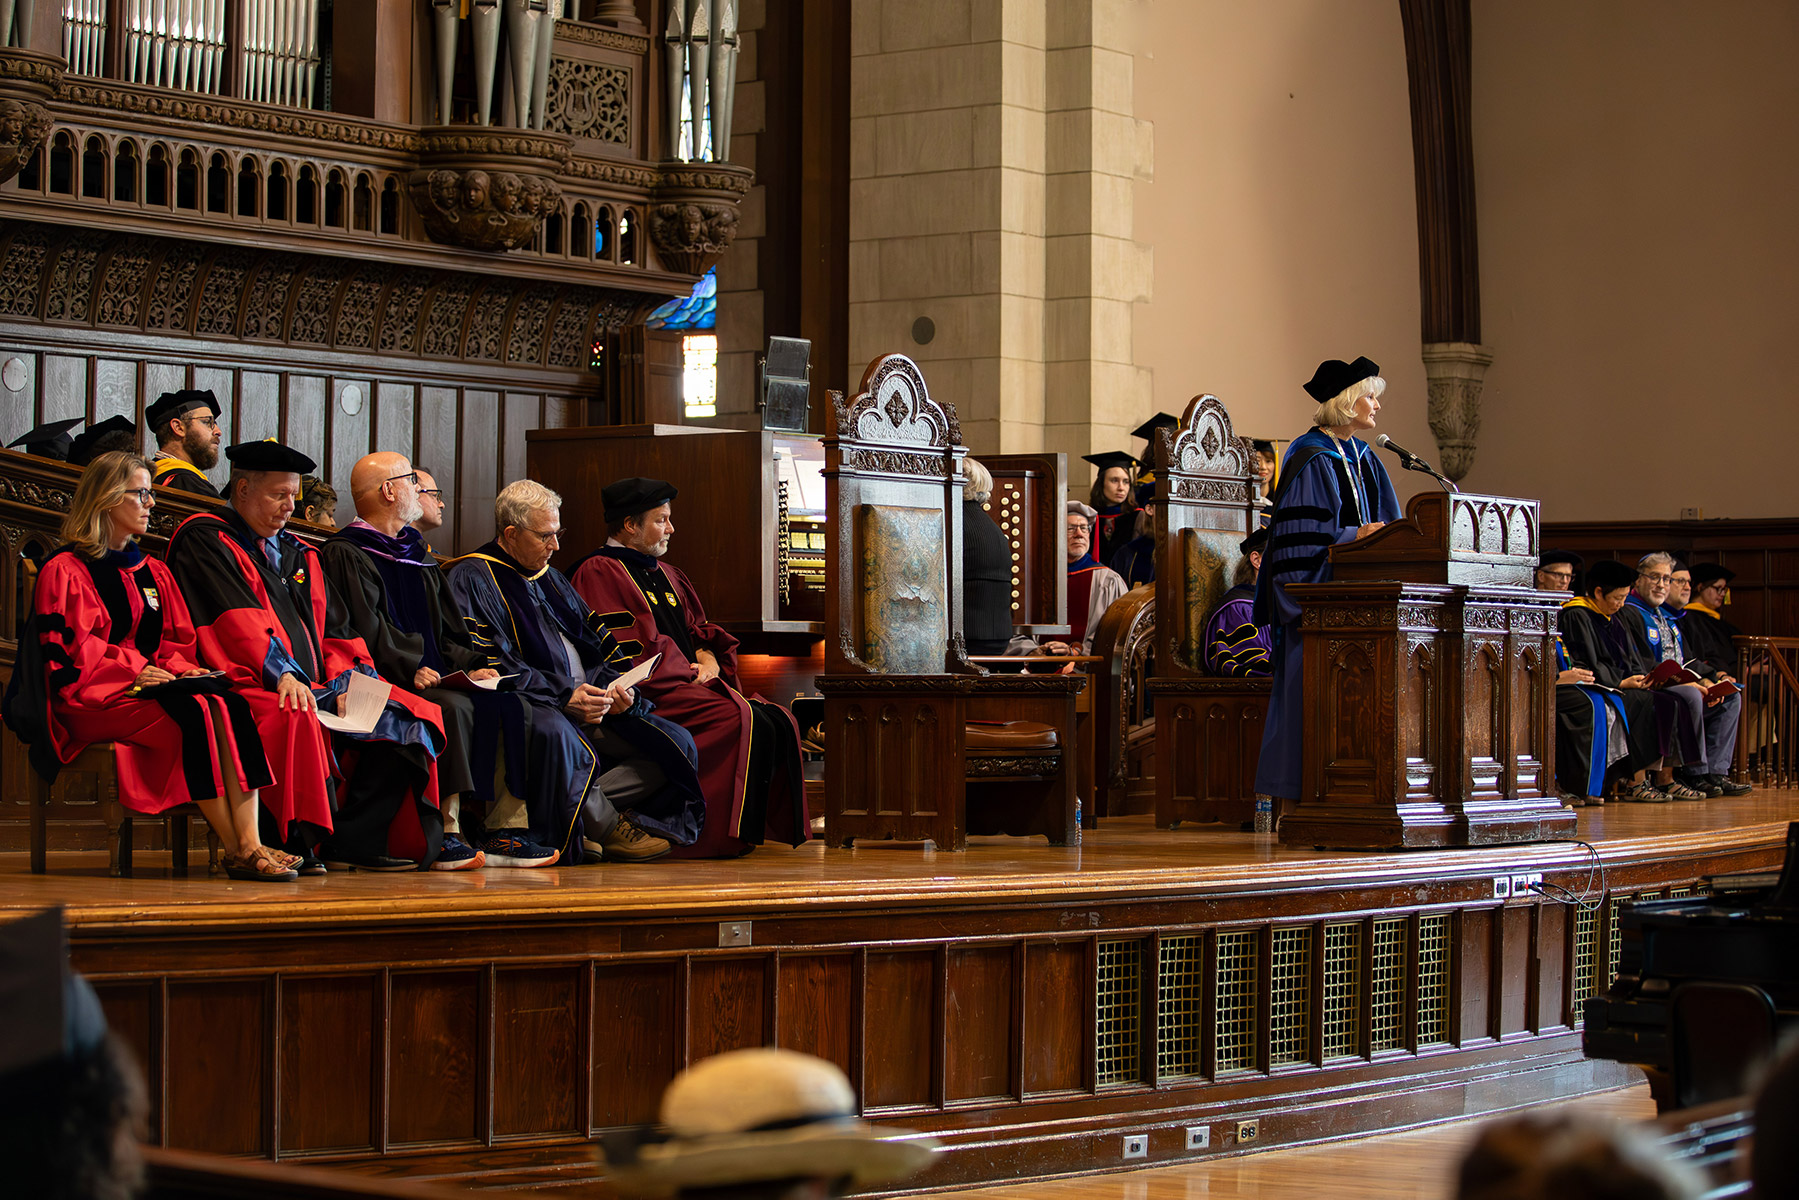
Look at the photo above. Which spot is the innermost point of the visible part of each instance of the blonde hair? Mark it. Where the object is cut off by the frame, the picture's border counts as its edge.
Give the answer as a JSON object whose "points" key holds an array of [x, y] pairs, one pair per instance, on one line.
{"points": [[980, 481], [1340, 408], [518, 500], [102, 488]]}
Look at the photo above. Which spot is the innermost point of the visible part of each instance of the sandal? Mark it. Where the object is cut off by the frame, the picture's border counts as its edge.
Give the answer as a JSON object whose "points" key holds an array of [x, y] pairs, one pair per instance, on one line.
{"points": [[283, 858], [1646, 793], [259, 866], [1680, 791]]}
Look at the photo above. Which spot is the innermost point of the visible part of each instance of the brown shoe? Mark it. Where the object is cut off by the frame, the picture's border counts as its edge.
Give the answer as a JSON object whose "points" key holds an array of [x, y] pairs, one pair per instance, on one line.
{"points": [[628, 843]]}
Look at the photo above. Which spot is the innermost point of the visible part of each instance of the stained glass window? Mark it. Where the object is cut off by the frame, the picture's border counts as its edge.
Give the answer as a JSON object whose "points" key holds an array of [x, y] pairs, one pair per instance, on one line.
{"points": [[697, 310], [699, 375]]}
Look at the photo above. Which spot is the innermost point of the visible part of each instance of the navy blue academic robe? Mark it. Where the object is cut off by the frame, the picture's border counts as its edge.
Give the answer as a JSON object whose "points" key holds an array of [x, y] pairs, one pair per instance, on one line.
{"points": [[1323, 499]]}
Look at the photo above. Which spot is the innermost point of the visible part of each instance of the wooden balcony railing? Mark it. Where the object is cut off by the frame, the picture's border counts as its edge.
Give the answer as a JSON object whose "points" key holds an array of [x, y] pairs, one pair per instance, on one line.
{"points": [[1768, 734]]}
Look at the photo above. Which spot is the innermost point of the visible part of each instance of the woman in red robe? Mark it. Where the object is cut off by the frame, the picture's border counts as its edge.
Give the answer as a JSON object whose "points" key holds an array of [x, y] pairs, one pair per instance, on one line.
{"points": [[115, 637]]}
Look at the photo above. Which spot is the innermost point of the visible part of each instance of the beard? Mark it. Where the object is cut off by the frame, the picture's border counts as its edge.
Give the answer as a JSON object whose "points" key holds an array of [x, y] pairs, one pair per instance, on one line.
{"points": [[657, 549], [411, 512], [200, 449]]}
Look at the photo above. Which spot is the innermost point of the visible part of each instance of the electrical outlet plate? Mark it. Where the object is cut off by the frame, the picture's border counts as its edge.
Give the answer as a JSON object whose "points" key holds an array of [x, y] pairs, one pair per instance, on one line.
{"points": [[1247, 1131], [1136, 1145], [1199, 1137], [1502, 887], [734, 933]]}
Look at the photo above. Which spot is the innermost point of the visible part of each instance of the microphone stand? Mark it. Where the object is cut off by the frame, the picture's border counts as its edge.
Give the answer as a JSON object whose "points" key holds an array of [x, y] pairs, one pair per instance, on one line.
{"points": [[1414, 463]]}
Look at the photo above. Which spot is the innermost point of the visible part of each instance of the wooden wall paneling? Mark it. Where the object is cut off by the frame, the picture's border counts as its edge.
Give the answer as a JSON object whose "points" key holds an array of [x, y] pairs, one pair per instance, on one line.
{"points": [[815, 1009], [65, 388], [434, 1060], [523, 412], [329, 1066], [395, 405], [899, 1029], [160, 377], [978, 1029], [258, 408], [308, 409], [1516, 976], [438, 451], [561, 411], [637, 1019], [218, 1066], [727, 1005], [1550, 962], [222, 383], [349, 440], [18, 410], [1471, 1014], [480, 433], [540, 1059], [115, 388], [134, 1013], [1056, 1016]]}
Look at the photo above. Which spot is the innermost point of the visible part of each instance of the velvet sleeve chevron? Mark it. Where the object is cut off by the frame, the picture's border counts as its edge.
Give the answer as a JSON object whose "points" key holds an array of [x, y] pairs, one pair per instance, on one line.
{"points": [[1307, 524], [1235, 644]]}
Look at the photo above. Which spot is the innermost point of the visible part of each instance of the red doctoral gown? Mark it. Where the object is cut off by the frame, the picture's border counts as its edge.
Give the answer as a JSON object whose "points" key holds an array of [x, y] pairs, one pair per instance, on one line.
{"points": [[716, 713], [161, 762]]}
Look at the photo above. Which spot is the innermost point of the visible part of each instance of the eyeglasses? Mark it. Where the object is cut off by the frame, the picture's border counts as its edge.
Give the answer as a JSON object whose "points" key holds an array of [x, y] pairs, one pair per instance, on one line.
{"points": [[412, 475], [553, 537], [1655, 578], [436, 494], [209, 422], [143, 494], [1564, 576]]}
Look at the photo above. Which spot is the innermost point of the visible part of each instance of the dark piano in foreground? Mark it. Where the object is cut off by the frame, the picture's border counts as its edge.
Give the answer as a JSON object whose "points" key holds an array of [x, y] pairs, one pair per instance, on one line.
{"points": [[1707, 986]]}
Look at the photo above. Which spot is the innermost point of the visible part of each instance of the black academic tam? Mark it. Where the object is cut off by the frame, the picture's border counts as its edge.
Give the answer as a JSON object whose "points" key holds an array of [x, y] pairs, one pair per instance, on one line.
{"points": [[169, 405], [628, 497], [268, 456], [1334, 375]]}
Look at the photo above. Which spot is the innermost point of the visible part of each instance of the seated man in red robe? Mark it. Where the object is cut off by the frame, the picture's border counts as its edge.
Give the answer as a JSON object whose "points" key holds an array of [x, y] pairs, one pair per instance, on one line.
{"points": [[749, 764], [259, 601]]}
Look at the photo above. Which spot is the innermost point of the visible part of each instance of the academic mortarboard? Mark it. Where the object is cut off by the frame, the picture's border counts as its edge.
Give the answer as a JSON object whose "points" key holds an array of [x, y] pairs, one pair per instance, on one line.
{"points": [[269, 456], [1334, 375], [629, 497], [1262, 445], [1110, 459], [1147, 430], [1550, 557], [1146, 488], [1608, 575], [1704, 573], [170, 405], [48, 441], [1254, 541], [46, 1010], [82, 451]]}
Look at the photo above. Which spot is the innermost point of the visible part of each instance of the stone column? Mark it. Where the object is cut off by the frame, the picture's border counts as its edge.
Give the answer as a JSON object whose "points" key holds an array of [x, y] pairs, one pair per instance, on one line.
{"points": [[1454, 372]]}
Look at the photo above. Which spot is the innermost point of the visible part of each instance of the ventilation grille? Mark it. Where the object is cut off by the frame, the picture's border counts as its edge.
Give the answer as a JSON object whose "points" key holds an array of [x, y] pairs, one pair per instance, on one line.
{"points": [[1386, 1001], [1342, 988], [1586, 945], [1433, 980], [1118, 1003], [1679, 893], [1180, 983], [1614, 942], [1234, 1033], [1290, 1009]]}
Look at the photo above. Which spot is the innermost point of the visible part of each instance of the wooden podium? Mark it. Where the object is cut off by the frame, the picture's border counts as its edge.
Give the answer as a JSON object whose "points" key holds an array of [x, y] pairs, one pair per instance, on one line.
{"points": [[1430, 685]]}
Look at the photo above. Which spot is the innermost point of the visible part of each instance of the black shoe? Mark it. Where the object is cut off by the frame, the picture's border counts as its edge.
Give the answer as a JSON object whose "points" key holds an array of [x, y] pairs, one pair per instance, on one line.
{"points": [[310, 864], [1727, 786], [372, 862]]}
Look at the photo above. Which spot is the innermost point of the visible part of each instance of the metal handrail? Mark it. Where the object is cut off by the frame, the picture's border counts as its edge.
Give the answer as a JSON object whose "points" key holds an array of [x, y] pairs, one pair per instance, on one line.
{"points": [[1767, 749]]}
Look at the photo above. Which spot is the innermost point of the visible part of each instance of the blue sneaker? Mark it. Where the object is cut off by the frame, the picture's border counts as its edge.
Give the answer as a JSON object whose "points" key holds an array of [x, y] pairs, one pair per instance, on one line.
{"points": [[514, 848], [458, 855]]}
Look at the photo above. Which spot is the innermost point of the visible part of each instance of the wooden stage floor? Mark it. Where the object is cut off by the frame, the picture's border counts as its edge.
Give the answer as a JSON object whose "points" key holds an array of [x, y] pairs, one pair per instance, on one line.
{"points": [[1125, 856]]}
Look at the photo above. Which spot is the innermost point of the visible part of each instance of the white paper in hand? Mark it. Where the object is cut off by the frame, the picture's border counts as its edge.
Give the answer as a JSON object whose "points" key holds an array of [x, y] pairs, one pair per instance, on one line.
{"points": [[638, 673], [459, 681], [363, 701]]}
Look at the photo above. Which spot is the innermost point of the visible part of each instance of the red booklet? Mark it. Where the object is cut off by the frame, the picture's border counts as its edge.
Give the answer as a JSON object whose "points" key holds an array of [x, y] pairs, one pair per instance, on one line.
{"points": [[1670, 673]]}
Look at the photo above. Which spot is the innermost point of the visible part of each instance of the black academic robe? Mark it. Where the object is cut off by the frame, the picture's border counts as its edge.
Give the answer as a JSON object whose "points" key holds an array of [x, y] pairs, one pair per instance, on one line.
{"points": [[1586, 641], [1710, 638], [392, 593], [986, 582], [1135, 561], [1113, 526], [183, 476], [259, 620], [521, 618]]}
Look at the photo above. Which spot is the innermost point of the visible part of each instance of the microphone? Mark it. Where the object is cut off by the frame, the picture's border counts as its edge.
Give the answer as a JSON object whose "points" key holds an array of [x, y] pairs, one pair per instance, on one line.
{"points": [[1387, 443]]}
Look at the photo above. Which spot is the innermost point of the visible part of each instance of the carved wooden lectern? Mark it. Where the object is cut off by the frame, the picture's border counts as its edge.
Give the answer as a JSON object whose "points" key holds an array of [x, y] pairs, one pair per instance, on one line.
{"points": [[1429, 685]]}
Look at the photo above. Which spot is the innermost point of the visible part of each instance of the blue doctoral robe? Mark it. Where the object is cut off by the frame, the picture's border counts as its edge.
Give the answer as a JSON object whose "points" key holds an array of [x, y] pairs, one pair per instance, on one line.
{"points": [[1326, 494], [515, 616]]}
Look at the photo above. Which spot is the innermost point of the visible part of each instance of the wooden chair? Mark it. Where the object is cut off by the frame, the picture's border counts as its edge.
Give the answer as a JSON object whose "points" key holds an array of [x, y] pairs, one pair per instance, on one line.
{"points": [[98, 761], [1125, 741], [1208, 729], [900, 694]]}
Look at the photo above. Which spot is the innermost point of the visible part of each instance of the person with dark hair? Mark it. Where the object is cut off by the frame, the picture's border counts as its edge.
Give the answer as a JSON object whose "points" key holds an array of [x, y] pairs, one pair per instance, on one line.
{"points": [[261, 603], [186, 427], [104, 437], [750, 769], [1263, 472], [1333, 490], [431, 502], [318, 502], [1135, 561], [1709, 637], [1606, 720], [1114, 515], [1562, 1156], [115, 659], [1235, 644]]}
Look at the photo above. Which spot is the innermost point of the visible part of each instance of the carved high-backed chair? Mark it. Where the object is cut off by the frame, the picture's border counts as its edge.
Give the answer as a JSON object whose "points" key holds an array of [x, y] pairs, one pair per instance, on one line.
{"points": [[922, 744], [1208, 728]]}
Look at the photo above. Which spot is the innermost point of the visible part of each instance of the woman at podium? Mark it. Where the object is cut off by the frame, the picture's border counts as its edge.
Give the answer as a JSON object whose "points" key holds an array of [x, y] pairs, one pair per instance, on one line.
{"points": [[1332, 490]]}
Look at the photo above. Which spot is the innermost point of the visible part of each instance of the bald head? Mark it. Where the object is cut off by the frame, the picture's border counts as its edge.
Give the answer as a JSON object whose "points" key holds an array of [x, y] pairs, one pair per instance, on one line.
{"points": [[385, 491]]}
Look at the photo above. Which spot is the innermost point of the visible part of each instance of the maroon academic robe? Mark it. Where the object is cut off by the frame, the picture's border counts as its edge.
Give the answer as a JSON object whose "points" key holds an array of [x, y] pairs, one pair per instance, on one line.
{"points": [[716, 713]]}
